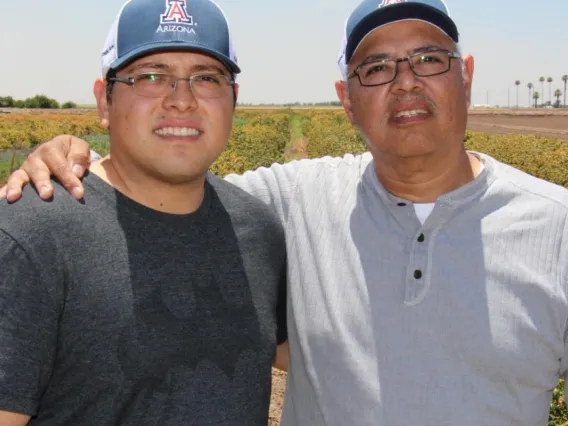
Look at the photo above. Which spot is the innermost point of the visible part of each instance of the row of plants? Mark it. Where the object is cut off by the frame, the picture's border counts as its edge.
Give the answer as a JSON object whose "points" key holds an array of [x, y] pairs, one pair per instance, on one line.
{"points": [[25, 130], [260, 139]]}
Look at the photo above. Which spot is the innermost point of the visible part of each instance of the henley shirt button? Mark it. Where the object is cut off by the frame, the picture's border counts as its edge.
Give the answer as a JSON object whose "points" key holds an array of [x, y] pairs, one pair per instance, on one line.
{"points": [[418, 274], [421, 238], [401, 204]]}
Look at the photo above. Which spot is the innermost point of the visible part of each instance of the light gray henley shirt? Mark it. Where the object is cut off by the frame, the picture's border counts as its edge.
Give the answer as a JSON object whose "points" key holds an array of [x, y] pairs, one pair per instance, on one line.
{"points": [[461, 320]]}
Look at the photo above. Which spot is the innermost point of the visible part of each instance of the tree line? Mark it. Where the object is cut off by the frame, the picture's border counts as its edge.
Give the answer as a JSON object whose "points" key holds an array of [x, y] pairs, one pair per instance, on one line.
{"points": [[37, 101], [535, 96]]}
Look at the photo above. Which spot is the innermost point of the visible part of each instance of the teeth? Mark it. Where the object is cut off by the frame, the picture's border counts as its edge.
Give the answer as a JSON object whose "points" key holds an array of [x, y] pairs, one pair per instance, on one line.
{"points": [[177, 131], [411, 113]]}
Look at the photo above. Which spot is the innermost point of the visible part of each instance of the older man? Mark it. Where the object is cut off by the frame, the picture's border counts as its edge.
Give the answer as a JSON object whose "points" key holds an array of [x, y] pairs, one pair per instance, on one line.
{"points": [[158, 300], [428, 284]]}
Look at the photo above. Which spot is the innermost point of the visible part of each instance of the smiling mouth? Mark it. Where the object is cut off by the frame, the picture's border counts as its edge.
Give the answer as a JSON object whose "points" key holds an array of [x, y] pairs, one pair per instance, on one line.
{"points": [[411, 113], [177, 131]]}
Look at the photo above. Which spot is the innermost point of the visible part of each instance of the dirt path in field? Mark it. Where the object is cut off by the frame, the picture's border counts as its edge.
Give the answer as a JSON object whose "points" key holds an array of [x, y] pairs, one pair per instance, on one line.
{"points": [[297, 147], [546, 126]]}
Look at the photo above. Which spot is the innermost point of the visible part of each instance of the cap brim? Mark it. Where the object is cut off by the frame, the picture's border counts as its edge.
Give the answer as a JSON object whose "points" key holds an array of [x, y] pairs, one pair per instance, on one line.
{"points": [[395, 13], [169, 46]]}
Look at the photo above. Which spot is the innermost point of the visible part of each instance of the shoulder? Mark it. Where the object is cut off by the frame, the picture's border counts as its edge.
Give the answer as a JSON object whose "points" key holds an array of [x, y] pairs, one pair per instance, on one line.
{"points": [[240, 204], [512, 179], [30, 205], [34, 219], [346, 163]]}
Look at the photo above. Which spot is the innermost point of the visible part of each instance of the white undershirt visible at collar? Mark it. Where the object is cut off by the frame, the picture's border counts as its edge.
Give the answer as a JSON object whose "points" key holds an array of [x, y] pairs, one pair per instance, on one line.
{"points": [[423, 210]]}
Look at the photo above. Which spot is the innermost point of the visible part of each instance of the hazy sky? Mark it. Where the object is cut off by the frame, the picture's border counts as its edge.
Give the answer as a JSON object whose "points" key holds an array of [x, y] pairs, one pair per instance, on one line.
{"points": [[287, 49]]}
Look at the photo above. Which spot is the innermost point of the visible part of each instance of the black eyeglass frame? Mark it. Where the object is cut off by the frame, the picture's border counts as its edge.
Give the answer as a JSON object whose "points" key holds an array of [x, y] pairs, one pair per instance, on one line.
{"points": [[356, 71], [131, 81]]}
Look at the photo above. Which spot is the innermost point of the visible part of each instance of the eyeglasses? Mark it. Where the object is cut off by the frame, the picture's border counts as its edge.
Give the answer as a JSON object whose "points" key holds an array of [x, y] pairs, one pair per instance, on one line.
{"points": [[376, 72], [157, 85]]}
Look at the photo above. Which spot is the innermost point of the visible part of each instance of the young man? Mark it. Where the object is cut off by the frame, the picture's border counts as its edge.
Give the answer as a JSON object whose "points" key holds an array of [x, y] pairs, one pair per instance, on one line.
{"points": [[160, 298], [428, 284]]}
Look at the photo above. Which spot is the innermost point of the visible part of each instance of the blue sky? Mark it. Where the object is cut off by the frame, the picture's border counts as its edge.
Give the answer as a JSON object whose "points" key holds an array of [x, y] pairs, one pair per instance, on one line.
{"points": [[287, 50]]}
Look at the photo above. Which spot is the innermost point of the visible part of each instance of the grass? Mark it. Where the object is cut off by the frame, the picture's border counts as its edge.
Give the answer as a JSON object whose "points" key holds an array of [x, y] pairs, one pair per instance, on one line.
{"points": [[5, 169], [99, 143]]}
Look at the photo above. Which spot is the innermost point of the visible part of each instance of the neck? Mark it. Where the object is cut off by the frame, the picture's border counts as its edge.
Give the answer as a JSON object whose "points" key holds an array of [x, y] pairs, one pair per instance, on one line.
{"points": [[424, 179], [172, 198]]}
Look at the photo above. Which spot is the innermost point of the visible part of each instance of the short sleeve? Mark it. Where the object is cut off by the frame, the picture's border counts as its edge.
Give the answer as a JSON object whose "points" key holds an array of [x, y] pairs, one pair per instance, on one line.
{"points": [[29, 315], [95, 156]]}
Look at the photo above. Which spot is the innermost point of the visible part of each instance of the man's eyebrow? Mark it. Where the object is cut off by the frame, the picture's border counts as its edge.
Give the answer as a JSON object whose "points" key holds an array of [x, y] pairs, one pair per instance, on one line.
{"points": [[376, 57], [208, 67], [165, 67], [152, 65], [425, 49], [383, 56]]}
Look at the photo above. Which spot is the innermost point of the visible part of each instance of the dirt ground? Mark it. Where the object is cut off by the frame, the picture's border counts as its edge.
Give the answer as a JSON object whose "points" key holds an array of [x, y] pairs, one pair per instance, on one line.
{"points": [[553, 124], [278, 388]]}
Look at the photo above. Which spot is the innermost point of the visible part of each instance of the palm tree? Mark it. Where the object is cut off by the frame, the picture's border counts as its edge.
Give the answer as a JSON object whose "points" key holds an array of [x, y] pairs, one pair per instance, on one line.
{"points": [[518, 83], [542, 80], [557, 94], [530, 86], [549, 81], [536, 95], [565, 80]]}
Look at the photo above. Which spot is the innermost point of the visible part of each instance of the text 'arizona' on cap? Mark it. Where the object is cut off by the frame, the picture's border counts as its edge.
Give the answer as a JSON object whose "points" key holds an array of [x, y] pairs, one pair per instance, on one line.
{"points": [[373, 14], [149, 26]]}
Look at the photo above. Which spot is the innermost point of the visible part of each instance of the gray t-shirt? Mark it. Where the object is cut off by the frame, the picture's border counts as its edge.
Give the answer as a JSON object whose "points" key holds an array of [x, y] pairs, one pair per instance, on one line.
{"points": [[114, 314]]}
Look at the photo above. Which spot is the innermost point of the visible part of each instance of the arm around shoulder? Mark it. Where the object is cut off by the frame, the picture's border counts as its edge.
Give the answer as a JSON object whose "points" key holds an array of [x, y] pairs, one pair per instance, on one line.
{"points": [[274, 185]]}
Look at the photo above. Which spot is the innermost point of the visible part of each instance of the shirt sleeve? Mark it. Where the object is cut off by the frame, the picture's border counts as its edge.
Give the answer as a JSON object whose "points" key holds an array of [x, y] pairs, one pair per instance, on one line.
{"points": [[275, 185], [95, 156], [28, 329]]}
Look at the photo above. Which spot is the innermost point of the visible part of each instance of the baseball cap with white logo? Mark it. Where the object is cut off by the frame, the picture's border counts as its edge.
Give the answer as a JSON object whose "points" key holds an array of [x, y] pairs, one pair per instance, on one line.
{"points": [[143, 27], [369, 16]]}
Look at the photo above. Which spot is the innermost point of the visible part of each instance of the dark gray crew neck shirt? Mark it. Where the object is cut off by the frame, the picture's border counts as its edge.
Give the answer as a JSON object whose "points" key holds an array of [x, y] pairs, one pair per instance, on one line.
{"points": [[115, 314]]}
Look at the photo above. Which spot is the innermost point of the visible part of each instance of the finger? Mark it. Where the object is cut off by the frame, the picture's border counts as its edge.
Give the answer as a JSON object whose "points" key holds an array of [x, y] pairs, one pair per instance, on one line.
{"points": [[32, 170], [63, 171], [51, 158], [79, 155], [3, 192], [17, 180]]}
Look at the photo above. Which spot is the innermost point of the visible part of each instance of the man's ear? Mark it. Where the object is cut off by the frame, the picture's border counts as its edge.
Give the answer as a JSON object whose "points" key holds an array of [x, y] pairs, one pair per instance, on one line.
{"points": [[100, 92], [236, 93], [343, 94], [469, 66]]}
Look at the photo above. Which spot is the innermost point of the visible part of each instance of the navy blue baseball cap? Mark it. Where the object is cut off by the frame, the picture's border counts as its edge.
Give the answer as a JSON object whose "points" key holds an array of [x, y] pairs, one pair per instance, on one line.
{"points": [[150, 26], [373, 14]]}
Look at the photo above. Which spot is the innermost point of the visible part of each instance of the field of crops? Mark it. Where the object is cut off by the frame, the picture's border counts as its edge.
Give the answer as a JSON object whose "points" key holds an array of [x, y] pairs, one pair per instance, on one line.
{"points": [[261, 138]]}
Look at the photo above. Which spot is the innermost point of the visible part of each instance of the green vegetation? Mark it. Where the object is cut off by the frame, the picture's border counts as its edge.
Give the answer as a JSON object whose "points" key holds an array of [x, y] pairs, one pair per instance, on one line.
{"points": [[261, 138]]}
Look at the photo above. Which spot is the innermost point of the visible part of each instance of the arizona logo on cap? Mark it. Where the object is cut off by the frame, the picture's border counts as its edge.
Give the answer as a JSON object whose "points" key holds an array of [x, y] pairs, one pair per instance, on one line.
{"points": [[387, 2], [176, 18]]}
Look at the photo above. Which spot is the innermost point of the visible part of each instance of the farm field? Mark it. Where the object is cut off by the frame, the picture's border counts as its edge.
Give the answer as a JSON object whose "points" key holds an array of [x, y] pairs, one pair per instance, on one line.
{"points": [[554, 126], [533, 140]]}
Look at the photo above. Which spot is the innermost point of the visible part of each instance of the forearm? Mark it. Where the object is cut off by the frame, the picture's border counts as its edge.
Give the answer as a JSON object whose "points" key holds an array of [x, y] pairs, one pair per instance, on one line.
{"points": [[281, 358], [13, 419]]}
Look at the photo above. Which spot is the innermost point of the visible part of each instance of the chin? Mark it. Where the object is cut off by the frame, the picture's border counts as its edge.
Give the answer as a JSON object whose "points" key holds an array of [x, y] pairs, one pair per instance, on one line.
{"points": [[179, 175]]}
